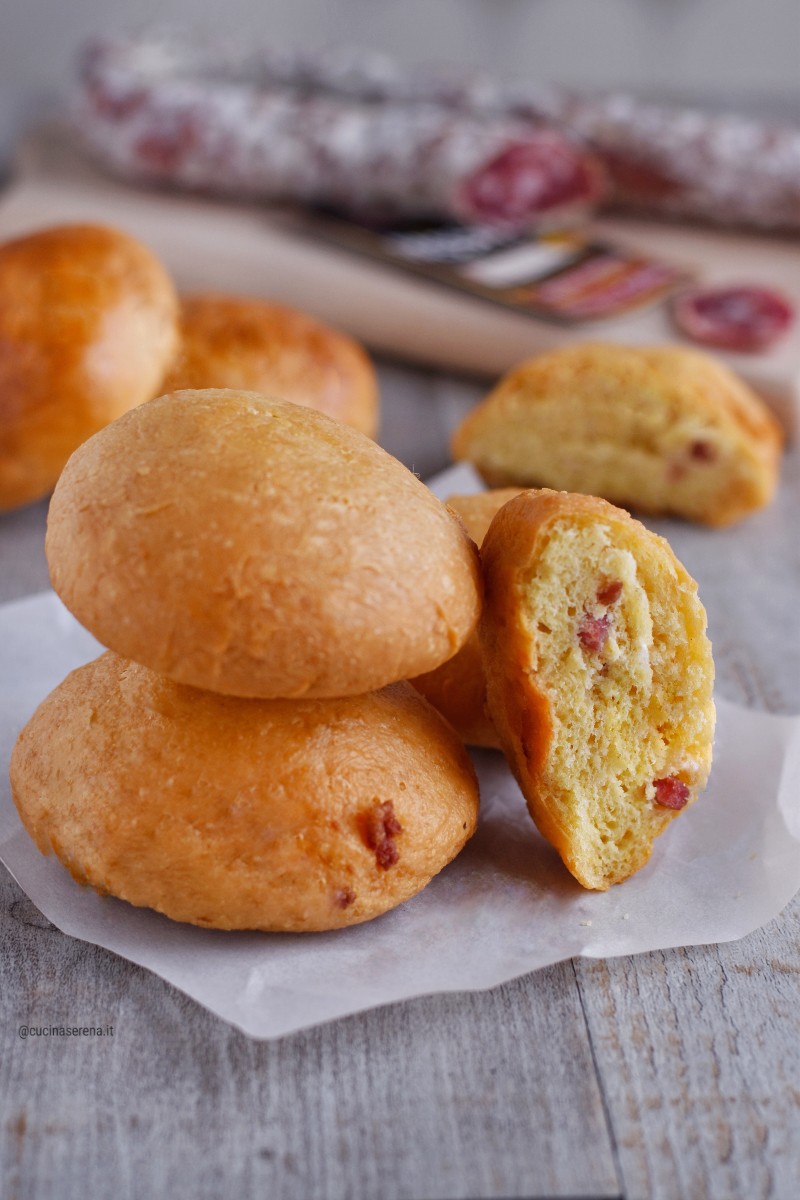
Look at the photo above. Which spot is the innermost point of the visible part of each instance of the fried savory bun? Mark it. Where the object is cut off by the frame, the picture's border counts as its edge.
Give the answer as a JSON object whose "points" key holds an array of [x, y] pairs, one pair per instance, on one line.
{"points": [[257, 548], [662, 430], [242, 814], [458, 687], [88, 327], [599, 677], [257, 346]]}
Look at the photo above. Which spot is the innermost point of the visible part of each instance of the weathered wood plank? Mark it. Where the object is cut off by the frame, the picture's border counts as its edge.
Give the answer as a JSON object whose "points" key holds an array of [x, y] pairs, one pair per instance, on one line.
{"points": [[699, 1053], [23, 568], [455, 1096]]}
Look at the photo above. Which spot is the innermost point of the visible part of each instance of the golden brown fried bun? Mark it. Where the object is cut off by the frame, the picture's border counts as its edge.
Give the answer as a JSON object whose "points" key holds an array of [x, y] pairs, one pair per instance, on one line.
{"points": [[257, 548], [599, 677], [88, 326], [242, 814], [458, 687], [257, 346], [663, 430]]}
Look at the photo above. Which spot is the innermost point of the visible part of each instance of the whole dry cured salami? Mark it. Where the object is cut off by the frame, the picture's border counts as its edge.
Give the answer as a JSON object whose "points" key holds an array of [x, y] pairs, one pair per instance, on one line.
{"points": [[159, 112], [660, 159], [373, 76]]}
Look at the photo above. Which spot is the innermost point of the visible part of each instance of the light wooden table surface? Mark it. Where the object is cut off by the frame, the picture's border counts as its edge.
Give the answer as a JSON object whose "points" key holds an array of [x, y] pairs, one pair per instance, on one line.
{"points": [[666, 1075]]}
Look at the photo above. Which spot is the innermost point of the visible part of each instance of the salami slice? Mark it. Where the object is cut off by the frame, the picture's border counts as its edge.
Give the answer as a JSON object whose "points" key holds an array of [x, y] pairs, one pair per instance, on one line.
{"points": [[541, 173], [747, 319], [168, 115]]}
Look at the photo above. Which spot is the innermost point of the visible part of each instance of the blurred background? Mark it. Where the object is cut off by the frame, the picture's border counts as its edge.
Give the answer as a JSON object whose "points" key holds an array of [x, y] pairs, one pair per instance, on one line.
{"points": [[715, 51]]}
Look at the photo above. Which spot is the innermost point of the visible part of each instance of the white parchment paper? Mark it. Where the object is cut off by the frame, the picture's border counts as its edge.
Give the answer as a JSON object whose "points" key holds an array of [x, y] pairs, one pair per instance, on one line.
{"points": [[504, 908]]}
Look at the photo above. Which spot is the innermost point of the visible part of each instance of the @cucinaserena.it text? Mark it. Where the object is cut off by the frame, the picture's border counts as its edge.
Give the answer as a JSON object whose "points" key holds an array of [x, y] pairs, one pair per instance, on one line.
{"points": [[85, 1031]]}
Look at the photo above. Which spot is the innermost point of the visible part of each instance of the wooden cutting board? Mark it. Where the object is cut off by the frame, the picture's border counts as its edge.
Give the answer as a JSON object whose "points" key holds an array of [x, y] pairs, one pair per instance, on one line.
{"points": [[214, 244]]}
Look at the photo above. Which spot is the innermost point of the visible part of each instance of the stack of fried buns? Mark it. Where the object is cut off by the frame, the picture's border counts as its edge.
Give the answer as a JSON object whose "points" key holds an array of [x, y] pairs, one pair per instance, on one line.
{"points": [[91, 326], [246, 755]]}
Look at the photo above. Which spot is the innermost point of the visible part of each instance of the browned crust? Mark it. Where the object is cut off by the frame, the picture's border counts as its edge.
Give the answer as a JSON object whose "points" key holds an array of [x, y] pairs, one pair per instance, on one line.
{"points": [[88, 326], [255, 345], [519, 711], [458, 688], [242, 814], [258, 548], [478, 509]]}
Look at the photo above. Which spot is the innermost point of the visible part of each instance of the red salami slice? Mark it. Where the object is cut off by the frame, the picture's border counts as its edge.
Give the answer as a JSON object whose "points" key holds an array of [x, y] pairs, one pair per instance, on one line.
{"points": [[542, 174], [747, 319], [170, 114]]}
